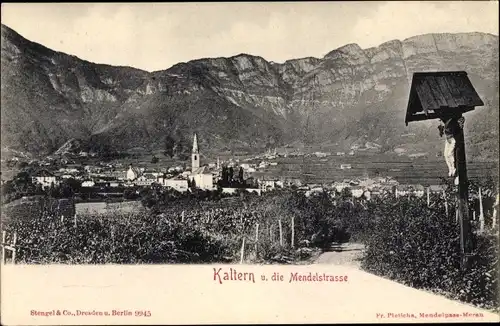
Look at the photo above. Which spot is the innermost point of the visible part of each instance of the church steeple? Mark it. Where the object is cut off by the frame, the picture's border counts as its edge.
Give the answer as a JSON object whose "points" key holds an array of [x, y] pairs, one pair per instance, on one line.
{"points": [[195, 145], [195, 155]]}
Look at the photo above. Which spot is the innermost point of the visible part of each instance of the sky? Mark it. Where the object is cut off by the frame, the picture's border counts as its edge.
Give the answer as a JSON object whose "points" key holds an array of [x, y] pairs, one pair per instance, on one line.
{"points": [[155, 36]]}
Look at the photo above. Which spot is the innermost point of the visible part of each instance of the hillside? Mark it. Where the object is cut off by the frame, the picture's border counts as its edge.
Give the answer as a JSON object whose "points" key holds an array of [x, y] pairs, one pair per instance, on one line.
{"points": [[349, 97]]}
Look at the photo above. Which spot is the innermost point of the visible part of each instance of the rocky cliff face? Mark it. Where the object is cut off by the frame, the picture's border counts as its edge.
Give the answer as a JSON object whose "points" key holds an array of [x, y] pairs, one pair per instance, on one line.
{"points": [[49, 97], [349, 97]]}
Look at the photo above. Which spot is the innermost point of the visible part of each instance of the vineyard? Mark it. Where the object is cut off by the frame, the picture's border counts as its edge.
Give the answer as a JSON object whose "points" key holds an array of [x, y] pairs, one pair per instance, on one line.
{"points": [[408, 239], [185, 231]]}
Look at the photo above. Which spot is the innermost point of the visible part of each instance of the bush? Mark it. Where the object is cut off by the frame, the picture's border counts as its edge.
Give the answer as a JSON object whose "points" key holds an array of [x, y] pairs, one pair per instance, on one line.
{"points": [[115, 239], [420, 247]]}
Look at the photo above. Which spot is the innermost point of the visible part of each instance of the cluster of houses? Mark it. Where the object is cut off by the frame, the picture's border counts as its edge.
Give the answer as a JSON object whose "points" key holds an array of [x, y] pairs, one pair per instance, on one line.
{"points": [[178, 178], [326, 154], [205, 177], [272, 155], [371, 187]]}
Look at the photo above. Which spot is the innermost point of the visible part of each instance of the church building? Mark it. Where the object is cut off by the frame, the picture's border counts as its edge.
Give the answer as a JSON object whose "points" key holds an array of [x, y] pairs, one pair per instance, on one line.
{"points": [[201, 176], [133, 173]]}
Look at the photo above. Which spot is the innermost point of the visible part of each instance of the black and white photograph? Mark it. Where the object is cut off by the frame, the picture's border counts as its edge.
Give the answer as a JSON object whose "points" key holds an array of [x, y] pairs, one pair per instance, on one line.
{"points": [[337, 134]]}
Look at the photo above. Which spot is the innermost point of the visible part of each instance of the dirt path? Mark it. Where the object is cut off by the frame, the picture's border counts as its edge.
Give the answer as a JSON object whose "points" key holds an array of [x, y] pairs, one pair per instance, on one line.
{"points": [[346, 254]]}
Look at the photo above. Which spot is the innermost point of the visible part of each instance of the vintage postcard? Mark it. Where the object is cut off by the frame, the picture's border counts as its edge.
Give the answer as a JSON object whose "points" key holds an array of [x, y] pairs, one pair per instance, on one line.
{"points": [[249, 163]]}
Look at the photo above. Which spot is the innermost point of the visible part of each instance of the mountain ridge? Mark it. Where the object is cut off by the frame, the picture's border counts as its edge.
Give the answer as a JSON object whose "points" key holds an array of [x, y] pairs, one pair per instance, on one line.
{"points": [[239, 102]]}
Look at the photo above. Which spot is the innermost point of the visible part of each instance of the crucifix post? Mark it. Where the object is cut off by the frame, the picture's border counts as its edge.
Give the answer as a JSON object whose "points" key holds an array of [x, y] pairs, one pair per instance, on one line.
{"points": [[447, 95], [462, 198]]}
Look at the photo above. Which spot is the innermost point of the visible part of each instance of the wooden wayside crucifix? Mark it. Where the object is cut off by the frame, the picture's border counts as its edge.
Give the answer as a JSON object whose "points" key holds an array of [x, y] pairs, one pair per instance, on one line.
{"points": [[447, 96]]}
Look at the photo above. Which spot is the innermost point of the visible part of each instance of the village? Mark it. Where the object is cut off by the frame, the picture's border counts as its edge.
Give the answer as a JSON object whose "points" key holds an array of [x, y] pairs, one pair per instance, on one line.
{"points": [[230, 177]]}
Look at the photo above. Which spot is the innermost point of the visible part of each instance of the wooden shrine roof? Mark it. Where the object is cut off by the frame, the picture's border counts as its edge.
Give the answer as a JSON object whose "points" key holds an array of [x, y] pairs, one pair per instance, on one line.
{"points": [[432, 93]]}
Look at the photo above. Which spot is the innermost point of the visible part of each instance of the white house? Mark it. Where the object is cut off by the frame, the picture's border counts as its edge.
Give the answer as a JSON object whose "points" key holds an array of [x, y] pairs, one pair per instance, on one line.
{"points": [[120, 175], [232, 191], [145, 180], [320, 154], [128, 184], [266, 184], [257, 191], [339, 186], [357, 191], [153, 173], [228, 190], [288, 182], [68, 170], [45, 178], [263, 165], [418, 190], [313, 191], [176, 184], [404, 190]]}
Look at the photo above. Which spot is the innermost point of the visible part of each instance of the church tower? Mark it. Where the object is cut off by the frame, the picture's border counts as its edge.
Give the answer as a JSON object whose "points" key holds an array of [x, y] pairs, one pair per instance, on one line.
{"points": [[195, 155]]}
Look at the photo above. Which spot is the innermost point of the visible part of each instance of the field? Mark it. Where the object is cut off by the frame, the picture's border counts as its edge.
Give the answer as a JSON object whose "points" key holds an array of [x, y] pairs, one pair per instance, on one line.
{"points": [[405, 171], [105, 208]]}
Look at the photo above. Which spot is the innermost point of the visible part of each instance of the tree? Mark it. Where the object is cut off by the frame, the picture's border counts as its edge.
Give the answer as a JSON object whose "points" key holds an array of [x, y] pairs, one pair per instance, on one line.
{"points": [[73, 184], [270, 143], [230, 175], [22, 178], [182, 156], [224, 179], [39, 189], [65, 191], [169, 146], [129, 194], [19, 183], [179, 148], [147, 198], [240, 175], [53, 191], [345, 193]]}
